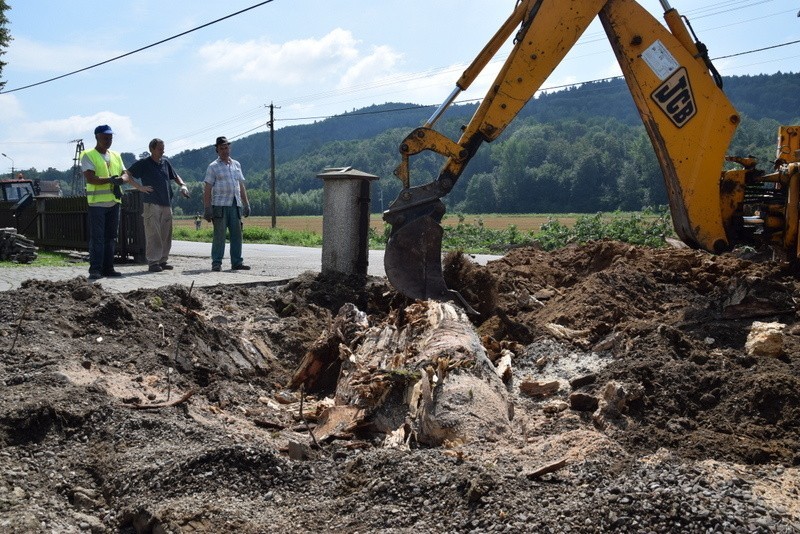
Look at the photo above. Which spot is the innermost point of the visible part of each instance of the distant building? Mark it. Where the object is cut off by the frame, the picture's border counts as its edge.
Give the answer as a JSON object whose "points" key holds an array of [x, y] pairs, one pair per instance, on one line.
{"points": [[49, 188]]}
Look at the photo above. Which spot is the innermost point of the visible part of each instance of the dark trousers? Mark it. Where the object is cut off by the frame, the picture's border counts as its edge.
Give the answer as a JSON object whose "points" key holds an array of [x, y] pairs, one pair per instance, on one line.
{"points": [[103, 231], [227, 219]]}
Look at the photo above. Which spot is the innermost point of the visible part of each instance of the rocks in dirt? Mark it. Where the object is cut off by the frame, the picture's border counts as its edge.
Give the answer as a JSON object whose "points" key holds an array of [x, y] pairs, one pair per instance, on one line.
{"points": [[221, 462], [765, 339], [613, 403], [583, 402], [536, 389]]}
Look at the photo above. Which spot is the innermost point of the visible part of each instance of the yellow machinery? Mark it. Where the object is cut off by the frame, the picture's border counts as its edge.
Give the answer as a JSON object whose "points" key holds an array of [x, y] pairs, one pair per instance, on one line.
{"points": [[678, 94]]}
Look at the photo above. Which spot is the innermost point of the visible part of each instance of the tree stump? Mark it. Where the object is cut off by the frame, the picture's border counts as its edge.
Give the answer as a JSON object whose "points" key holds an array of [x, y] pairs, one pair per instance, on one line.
{"points": [[428, 379]]}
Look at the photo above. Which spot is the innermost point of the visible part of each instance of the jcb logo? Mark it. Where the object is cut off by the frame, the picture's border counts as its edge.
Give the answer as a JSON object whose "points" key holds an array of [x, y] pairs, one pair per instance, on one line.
{"points": [[675, 98]]}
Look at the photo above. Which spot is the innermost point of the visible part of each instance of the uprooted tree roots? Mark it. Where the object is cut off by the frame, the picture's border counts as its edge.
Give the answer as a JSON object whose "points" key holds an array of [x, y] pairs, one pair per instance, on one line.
{"points": [[255, 408]]}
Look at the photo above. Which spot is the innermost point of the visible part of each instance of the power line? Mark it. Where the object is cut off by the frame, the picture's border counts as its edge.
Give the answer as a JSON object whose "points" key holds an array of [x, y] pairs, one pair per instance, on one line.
{"points": [[757, 50], [714, 9], [543, 89], [137, 50], [466, 101]]}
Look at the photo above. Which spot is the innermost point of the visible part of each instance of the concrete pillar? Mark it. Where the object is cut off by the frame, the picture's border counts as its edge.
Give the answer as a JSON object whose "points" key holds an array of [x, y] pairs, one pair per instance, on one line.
{"points": [[345, 220]]}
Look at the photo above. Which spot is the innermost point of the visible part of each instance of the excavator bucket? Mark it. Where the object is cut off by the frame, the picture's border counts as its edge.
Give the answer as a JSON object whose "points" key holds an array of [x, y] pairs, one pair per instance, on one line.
{"points": [[413, 260], [413, 256]]}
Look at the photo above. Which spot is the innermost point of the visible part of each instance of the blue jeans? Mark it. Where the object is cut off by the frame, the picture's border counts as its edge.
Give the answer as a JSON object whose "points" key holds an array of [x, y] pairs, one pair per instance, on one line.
{"points": [[103, 231], [226, 218]]}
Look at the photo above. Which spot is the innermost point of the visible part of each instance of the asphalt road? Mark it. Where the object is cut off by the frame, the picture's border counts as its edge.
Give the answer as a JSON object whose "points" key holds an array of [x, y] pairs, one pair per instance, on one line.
{"points": [[192, 262]]}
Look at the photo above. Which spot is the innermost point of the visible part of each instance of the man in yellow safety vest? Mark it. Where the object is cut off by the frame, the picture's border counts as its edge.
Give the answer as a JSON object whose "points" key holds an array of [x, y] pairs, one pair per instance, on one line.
{"points": [[105, 173]]}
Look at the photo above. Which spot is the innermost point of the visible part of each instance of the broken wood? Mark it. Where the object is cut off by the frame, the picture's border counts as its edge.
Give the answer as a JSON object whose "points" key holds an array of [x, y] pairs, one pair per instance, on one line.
{"points": [[429, 377], [549, 468], [539, 389], [319, 368], [158, 405]]}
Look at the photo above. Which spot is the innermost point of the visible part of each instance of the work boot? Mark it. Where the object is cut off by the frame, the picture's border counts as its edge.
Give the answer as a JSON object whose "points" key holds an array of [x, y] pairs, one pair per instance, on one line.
{"points": [[112, 273], [95, 275], [216, 268], [166, 266], [241, 267], [155, 268]]}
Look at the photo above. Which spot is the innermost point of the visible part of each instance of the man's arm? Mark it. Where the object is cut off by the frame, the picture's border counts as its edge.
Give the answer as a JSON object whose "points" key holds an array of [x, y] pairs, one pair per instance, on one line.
{"points": [[178, 180], [243, 192], [136, 185], [207, 212], [92, 178]]}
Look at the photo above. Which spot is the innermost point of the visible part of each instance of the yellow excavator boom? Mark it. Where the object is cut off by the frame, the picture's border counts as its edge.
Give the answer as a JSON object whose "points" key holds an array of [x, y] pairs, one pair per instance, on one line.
{"points": [[679, 97], [689, 119]]}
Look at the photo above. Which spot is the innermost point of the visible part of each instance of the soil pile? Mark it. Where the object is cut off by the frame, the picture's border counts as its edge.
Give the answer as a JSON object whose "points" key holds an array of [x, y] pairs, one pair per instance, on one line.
{"points": [[638, 404]]}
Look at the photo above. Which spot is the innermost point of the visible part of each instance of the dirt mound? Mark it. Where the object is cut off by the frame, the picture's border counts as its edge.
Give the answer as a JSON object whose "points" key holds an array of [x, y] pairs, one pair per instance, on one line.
{"points": [[674, 324], [637, 406]]}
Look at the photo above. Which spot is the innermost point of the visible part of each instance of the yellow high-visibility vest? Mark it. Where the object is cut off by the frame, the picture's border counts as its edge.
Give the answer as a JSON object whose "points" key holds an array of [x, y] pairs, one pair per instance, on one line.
{"points": [[103, 193]]}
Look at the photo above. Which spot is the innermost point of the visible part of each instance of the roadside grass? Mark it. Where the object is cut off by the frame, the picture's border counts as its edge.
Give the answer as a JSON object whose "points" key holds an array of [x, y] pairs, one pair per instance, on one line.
{"points": [[476, 234], [46, 258], [254, 234]]}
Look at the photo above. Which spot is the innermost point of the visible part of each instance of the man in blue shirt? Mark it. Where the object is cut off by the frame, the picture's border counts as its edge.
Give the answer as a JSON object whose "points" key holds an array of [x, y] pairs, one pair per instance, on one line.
{"points": [[225, 202], [157, 172]]}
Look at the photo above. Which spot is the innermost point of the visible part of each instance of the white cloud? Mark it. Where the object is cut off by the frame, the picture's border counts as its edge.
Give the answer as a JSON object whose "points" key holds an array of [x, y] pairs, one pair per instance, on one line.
{"points": [[295, 62], [49, 143], [77, 127], [381, 61], [10, 110], [35, 56]]}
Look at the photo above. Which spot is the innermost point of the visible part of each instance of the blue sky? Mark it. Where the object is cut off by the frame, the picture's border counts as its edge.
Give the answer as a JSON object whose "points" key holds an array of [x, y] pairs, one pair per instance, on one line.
{"points": [[311, 58]]}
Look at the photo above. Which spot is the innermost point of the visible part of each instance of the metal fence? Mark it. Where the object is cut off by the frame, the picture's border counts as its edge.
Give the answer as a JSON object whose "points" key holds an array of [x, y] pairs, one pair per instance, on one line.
{"points": [[61, 223]]}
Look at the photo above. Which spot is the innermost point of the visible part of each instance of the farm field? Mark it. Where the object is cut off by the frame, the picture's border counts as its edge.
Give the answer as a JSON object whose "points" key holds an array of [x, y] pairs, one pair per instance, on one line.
{"points": [[523, 222]]}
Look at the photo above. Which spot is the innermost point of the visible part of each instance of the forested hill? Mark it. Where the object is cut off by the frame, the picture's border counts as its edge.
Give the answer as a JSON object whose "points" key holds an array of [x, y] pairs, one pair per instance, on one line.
{"points": [[577, 150]]}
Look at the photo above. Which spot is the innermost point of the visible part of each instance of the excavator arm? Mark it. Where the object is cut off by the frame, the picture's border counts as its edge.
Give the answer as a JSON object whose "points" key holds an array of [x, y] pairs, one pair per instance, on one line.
{"points": [[688, 118]]}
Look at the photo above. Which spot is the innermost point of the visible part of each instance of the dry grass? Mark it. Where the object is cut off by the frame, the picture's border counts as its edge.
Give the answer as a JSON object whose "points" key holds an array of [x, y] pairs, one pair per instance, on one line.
{"points": [[523, 222]]}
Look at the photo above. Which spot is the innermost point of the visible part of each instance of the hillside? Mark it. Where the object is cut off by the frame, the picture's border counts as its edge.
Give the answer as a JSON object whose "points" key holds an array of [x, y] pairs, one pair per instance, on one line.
{"points": [[581, 149]]}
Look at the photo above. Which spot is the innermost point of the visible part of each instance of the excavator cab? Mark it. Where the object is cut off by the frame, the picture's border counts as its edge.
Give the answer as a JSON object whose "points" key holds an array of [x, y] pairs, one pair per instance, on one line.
{"points": [[679, 96]]}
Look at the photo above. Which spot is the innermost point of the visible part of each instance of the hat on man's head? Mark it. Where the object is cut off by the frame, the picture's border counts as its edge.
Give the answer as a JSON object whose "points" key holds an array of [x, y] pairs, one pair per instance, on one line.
{"points": [[103, 129], [222, 141]]}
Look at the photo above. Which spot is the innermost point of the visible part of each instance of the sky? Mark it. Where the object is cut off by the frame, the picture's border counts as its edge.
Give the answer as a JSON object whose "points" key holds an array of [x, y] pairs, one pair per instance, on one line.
{"points": [[309, 58]]}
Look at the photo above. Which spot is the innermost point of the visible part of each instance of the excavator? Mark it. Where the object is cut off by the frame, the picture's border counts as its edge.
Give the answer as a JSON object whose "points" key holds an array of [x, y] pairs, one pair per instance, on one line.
{"points": [[687, 116]]}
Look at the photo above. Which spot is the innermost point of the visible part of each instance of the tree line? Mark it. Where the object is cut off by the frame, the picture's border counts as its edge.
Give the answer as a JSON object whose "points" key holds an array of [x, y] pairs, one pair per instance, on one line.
{"points": [[580, 150]]}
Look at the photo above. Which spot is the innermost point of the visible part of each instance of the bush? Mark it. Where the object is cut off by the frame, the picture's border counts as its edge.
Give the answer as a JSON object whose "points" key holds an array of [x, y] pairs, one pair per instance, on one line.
{"points": [[648, 228]]}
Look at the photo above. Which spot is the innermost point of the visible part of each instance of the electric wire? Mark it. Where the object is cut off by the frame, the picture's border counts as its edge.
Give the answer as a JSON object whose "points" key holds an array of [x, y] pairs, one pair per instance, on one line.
{"points": [[702, 12], [126, 54]]}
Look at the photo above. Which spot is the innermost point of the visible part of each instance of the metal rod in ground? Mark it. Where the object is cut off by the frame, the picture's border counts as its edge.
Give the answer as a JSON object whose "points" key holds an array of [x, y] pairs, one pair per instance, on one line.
{"points": [[19, 326], [177, 348]]}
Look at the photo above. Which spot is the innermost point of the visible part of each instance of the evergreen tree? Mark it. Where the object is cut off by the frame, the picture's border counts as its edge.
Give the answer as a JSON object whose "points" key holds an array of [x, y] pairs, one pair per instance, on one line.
{"points": [[5, 38]]}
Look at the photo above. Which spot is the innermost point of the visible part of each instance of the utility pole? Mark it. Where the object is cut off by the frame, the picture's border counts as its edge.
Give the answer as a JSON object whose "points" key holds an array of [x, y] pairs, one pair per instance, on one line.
{"points": [[77, 175], [272, 158]]}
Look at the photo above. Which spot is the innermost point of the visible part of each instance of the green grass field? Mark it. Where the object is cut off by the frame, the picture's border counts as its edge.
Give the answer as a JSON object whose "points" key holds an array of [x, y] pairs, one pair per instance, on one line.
{"points": [[523, 222], [488, 233]]}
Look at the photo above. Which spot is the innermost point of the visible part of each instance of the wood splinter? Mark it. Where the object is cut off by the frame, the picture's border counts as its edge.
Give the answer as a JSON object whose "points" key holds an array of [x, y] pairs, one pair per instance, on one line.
{"points": [[549, 468], [158, 405]]}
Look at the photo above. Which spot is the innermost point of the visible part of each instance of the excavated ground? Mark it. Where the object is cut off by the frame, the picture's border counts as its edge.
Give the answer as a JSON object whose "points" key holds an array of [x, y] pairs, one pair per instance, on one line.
{"points": [[167, 410]]}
